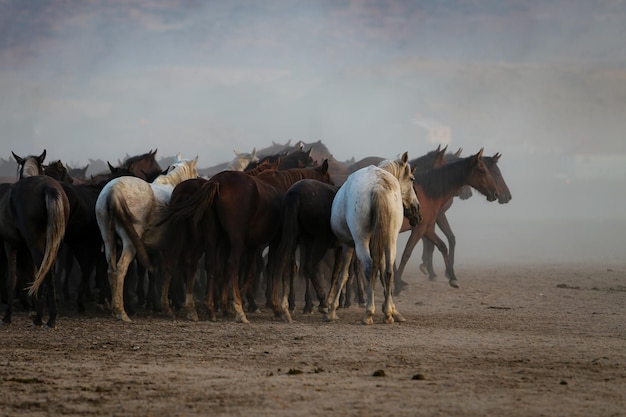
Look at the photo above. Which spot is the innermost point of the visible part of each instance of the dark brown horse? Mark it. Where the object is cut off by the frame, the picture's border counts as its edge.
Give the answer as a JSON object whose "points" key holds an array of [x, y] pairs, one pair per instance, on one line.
{"points": [[34, 213], [144, 166], [181, 258], [434, 188], [504, 196], [306, 225], [239, 214]]}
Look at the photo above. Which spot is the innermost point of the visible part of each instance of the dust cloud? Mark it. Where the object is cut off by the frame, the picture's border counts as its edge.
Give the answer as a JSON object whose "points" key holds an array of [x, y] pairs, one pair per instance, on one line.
{"points": [[540, 82]]}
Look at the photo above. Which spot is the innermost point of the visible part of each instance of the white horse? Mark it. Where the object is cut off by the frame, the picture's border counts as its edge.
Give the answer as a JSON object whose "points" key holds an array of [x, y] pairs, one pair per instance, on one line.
{"points": [[366, 216], [130, 209], [242, 160]]}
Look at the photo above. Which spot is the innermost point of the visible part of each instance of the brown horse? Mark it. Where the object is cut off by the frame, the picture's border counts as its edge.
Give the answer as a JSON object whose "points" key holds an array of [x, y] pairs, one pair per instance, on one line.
{"points": [[306, 225], [178, 255], [144, 166], [504, 196], [239, 214], [434, 189], [34, 213]]}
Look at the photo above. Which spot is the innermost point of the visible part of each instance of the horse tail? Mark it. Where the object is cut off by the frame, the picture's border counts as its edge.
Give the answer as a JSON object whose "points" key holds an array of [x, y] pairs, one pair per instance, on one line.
{"points": [[57, 208], [196, 205], [289, 234], [117, 204], [379, 221]]}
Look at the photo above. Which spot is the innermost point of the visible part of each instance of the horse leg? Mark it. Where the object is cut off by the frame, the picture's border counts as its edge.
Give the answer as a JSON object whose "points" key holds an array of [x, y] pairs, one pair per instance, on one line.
{"points": [[444, 225], [338, 282], [414, 237], [117, 275], [11, 255], [232, 271], [429, 247], [391, 312], [370, 269], [430, 234], [311, 274]]}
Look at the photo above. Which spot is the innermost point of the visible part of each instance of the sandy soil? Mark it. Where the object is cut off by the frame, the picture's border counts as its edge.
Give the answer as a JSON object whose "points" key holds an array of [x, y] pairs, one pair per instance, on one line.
{"points": [[541, 340]]}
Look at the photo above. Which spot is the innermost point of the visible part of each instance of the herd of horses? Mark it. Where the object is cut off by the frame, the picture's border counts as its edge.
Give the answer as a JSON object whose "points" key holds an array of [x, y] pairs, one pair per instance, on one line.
{"points": [[256, 221]]}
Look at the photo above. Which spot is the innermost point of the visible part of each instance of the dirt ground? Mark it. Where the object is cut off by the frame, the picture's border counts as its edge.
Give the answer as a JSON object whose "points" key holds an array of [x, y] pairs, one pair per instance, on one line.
{"points": [[540, 340]]}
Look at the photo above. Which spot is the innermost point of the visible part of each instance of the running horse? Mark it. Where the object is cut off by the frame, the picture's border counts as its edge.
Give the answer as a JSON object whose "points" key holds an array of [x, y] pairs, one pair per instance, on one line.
{"points": [[504, 196], [434, 188], [127, 209], [238, 215], [34, 213], [367, 215]]}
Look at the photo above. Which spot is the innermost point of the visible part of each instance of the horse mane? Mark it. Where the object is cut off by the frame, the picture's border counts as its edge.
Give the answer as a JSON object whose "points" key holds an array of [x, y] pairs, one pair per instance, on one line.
{"points": [[436, 182], [179, 172], [283, 179]]}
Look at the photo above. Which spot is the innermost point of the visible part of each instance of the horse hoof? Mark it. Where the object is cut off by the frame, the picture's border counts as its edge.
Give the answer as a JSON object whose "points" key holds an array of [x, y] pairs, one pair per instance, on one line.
{"points": [[368, 320], [399, 317], [388, 320], [432, 277], [331, 317], [323, 310], [424, 269], [242, 319], [123, 317], [192, 316], [48, 327], [454, 283]]}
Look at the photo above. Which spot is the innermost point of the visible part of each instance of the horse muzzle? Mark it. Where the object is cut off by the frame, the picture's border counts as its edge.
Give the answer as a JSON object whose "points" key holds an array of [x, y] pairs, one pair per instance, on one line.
{"points": [[414, 215], [492, 196]]}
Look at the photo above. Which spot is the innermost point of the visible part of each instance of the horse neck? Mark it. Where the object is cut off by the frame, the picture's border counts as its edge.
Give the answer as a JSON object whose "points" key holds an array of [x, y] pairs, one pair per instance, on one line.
{"points": [[445, 181]]}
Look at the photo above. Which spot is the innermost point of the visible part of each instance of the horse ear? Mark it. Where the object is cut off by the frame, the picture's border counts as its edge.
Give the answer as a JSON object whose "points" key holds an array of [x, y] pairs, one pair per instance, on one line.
{"points": [[496, 157], [480, 153], [18, 159], [254, 152], [179, 157], [236, 152], [308, 153], [444, 149], [458, 153], [111, 167], [42, 157], [155, 151], [405, 157], [325, 165]]}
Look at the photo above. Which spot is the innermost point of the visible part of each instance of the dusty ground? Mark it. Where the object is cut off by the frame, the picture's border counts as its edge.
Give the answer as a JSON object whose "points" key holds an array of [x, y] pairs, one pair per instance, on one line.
{"points": [[542, 340]]}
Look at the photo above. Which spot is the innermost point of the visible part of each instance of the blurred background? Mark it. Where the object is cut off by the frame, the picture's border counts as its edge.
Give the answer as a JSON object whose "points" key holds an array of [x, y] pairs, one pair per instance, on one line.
{"points": [[542, 82]]}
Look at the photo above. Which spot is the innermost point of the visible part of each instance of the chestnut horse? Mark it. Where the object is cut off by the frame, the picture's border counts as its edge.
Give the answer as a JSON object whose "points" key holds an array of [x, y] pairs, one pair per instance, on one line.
{"points": [[238, 214], [434, 188], [504, 196], [180, 257]]}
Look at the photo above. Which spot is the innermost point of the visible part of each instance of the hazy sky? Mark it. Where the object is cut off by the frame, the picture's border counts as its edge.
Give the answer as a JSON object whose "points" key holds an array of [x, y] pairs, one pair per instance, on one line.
{"points": [[542, 81], [102, 79]]}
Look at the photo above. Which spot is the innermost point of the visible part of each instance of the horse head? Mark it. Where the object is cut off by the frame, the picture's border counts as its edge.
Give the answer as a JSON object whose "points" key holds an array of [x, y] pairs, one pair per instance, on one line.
{"points": [[31, 165], [480, 178], [401, 169], [504, 194], [58, 171]]}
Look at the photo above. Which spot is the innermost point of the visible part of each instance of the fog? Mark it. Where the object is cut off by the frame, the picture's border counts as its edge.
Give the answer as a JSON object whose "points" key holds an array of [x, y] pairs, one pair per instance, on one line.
{"points": [[542, 82]]}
